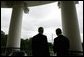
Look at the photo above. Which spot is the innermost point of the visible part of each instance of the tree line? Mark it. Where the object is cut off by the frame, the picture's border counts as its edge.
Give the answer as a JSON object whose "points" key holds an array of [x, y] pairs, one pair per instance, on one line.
{"points": [[26, 44]]}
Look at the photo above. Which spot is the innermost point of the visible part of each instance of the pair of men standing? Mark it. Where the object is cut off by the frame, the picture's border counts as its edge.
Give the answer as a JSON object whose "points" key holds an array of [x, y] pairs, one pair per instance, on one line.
{"points": [[40, 44]]}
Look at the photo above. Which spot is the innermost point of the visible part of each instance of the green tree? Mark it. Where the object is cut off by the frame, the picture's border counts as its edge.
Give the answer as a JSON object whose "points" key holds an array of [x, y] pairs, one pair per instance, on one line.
{"points": [[26, 45], [3, 41]]}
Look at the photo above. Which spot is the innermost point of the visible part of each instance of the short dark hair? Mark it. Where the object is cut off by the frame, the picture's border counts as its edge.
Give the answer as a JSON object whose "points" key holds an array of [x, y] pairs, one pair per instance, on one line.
{"points": [[58, 31], [40, 29]]}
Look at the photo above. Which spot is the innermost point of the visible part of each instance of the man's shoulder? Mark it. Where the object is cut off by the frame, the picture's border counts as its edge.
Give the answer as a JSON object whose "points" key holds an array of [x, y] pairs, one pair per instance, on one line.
{"points": [[38, 35], [59, 37], [35, 36], [55, 38], [64, 37], [44, 35]]}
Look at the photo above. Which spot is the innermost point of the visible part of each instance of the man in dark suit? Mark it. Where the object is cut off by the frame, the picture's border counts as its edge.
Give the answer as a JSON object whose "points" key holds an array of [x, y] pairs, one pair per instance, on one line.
{"points": [[61, 44], [40, 44]]}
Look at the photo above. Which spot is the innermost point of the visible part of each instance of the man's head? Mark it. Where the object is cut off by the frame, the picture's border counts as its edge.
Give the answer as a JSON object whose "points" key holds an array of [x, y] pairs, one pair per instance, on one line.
{"points": [[40, 30], [58, 31]]}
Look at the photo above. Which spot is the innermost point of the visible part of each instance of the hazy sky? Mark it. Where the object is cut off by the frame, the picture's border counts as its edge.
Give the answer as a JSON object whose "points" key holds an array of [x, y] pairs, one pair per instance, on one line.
{"points": [[47, 16]]}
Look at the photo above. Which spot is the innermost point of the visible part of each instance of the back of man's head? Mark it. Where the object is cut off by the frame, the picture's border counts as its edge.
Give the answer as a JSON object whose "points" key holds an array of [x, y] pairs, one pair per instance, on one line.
{"points": [[58, 31], [40, 30]]}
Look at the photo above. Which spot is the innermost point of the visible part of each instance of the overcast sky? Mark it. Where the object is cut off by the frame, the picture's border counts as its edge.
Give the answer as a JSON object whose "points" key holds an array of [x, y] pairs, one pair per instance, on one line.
{"points": [[47, 16]]}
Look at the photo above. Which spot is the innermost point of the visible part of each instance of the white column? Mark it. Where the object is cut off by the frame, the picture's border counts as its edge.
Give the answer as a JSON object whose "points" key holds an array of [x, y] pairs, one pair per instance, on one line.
{"points": [[15, 27], [70, 24]]}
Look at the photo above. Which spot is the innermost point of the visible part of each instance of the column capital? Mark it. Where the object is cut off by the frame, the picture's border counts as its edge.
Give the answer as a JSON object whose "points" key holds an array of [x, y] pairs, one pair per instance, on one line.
{"points": [[76, 2], [26, 9], [59, 4], [20, 4]]}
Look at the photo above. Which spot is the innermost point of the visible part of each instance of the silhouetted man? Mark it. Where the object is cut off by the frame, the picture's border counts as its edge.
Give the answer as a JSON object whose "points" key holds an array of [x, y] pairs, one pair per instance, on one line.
{"points": [[40, 44], [61, 44]]}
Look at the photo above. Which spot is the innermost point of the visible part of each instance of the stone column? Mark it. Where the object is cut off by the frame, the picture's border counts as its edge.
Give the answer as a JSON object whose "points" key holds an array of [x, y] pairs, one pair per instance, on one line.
{"points": [[14, 35], [70, 24]]}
